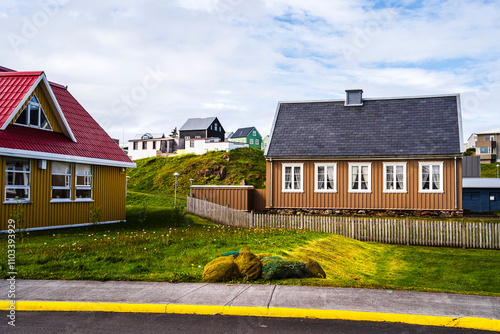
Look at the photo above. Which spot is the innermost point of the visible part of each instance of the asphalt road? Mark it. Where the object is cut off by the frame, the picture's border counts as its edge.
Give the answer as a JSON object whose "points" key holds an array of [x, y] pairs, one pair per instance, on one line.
{"points": [[102, 322]]}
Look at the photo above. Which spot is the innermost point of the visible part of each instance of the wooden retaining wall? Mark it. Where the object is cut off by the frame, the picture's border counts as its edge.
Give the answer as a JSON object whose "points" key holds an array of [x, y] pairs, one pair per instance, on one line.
{"points": [[405, 231]]}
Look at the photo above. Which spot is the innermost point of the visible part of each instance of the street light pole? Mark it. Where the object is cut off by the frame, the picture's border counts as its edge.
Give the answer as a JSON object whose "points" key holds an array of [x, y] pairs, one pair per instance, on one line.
{"points": [[175, 195]]}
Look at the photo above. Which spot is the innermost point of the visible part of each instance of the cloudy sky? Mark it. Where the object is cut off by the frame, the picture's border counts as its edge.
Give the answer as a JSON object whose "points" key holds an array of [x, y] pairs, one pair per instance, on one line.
{"points": [[147, 66]]}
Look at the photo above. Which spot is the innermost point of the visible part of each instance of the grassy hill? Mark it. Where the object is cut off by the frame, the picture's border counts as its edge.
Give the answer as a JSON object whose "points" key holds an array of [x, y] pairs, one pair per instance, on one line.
{"points": [[156, 175], [489, 170]]}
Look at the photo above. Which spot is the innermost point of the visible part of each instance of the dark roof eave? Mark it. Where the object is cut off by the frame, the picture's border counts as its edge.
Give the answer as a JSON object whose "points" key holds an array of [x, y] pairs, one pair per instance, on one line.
{"points": [[364, 157]]}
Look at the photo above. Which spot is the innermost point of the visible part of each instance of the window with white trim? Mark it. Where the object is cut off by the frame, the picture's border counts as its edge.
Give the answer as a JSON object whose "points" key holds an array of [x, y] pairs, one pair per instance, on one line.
{"points": [[17, 180], [61, 181], [293, 177], [251, 141], [325, 177], [83, 182], [254, 133], [394, 177], [360, 177], [430, 177], [256, 142], [33, 115], [144, 145], [135, 145], [483, 150]]}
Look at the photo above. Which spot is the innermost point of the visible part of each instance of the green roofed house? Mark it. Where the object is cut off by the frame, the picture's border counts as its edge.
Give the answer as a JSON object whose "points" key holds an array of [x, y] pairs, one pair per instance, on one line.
{"points": [[248, 136]]}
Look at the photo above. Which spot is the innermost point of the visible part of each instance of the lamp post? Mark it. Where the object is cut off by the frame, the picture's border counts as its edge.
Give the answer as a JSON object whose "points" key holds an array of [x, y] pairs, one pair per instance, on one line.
{"points": [[190, 185], [175, 195]]}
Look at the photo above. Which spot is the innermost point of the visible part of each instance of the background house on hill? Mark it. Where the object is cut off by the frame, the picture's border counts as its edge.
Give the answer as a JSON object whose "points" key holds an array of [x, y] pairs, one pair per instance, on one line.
{"points": [[209, 127], [151, 145], [203, 145], [381, 154], [486, 144], [57, 161], [248, 136]]}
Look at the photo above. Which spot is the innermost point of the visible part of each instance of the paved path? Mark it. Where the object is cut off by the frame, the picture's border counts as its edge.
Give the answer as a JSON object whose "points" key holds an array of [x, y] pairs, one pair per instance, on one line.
{"points": [[422, 308]]}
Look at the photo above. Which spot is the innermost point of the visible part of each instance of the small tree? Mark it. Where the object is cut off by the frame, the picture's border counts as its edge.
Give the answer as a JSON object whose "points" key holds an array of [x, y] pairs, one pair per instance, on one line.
{"points": [[174, 133], [470, 152]]}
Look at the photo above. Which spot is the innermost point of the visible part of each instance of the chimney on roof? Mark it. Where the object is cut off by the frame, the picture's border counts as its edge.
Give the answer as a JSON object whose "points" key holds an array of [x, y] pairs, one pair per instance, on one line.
{"points": [[354, 97]]}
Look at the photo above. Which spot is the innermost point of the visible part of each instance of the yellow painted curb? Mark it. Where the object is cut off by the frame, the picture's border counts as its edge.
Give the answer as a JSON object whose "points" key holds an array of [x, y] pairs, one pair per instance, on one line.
{"points": [[278, 312]]}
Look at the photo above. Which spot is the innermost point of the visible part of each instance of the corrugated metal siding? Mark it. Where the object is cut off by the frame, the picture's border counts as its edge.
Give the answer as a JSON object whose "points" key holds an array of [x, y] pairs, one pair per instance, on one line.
{"points": [[471, 166], [108, 193], [377, 199], [46, 108], [235, 197]]}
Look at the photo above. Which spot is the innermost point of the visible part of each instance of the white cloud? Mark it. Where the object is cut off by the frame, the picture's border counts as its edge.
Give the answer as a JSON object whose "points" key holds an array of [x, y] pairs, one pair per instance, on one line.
{"points": [[236, 59]]}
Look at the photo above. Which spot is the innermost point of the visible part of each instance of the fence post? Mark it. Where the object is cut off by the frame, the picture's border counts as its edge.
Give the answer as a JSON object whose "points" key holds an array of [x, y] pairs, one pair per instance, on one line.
{"points": [[407, 223], [463, 233], [251, 223]]}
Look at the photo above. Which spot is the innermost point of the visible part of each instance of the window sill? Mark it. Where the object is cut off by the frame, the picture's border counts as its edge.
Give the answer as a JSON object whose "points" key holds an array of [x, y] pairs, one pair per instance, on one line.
{"points": [[18, 202], [83, 200], [431, 192], [360, 191], [292, 191], [325, 191], [61, 200], [395, 192]]}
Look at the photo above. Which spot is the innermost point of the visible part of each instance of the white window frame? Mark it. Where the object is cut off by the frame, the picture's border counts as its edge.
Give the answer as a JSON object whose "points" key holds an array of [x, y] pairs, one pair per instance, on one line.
{"points": [[254, 133], [68, 183], [256, 142], [440, 164], [478, 150], [301, 175], [84, 187], [395, 164], [135, 145], [14, 187], [316, 174], [38, 105], [251, 141], [369, 181]]}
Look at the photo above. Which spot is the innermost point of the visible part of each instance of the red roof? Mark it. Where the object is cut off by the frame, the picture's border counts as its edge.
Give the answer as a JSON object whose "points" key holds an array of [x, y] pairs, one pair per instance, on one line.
{"points": [[91, 140], [13, 87]]}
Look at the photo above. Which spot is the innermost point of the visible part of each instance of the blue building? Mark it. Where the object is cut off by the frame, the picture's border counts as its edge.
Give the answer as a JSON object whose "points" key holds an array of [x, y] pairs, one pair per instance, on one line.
{"points": [[481, 194]]}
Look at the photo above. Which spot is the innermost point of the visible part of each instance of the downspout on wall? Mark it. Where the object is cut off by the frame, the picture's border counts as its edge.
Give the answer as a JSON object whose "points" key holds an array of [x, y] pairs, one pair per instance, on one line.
{"points": [[271, 185], [456, 186]]}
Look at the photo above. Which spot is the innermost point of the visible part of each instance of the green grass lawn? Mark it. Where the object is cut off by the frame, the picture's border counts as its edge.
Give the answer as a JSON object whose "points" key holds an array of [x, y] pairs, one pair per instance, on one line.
{"points": [[170, 246]]}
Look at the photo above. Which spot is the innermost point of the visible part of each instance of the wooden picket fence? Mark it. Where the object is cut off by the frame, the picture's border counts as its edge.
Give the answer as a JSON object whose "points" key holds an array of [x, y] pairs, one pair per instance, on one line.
{"points": [[405, 231]]}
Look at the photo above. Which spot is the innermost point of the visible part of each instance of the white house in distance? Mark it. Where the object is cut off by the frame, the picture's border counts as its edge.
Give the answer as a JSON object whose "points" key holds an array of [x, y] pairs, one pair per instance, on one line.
{"points": [[203, 145], [151, 145]]}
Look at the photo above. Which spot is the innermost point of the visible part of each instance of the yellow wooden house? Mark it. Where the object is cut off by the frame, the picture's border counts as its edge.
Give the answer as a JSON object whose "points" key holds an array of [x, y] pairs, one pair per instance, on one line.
{"points": [[56, 162]]}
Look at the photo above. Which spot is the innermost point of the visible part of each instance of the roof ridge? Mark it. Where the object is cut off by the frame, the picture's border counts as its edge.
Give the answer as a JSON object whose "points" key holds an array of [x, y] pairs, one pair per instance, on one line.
{"points": [[20, 74]]}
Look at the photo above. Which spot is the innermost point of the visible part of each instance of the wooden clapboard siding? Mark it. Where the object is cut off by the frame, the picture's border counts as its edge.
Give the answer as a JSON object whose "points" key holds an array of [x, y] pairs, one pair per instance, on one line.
{"points": [[108, 193], [236, 197], [46, 108], [377, 199]]}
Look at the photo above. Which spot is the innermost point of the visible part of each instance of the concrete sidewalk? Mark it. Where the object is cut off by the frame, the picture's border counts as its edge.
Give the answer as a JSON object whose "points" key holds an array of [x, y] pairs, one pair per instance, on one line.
{"points": [[437, 309]]}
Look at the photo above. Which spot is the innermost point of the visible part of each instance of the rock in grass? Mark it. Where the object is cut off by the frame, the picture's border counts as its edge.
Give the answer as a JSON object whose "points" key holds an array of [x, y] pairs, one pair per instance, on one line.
{"points": [[248, 264], [313, 268], [221, 269]]}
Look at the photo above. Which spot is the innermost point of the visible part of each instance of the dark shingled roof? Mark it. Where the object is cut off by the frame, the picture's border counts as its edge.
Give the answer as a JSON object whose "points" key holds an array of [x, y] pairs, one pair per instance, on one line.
{"points": [[242, 132], [380, 127]]}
